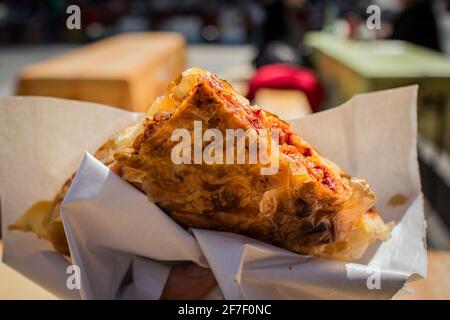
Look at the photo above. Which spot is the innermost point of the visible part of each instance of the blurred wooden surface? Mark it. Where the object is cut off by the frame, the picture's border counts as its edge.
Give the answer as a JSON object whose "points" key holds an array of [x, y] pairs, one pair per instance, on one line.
{"points": [[437, 286], [127, 71], [287, 104]]}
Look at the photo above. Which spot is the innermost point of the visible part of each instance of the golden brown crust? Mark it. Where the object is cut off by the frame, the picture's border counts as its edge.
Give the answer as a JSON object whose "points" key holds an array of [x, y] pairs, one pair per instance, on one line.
{"points": [[299, 208]]}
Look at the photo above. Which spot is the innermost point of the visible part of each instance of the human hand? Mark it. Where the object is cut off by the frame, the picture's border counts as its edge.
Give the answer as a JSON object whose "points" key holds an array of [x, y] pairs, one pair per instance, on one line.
{"points": [[188, 281]]}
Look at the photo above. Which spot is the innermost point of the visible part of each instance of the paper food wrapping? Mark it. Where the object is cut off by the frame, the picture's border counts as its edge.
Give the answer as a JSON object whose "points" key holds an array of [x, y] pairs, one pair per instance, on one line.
{"points": [[124, 245]]}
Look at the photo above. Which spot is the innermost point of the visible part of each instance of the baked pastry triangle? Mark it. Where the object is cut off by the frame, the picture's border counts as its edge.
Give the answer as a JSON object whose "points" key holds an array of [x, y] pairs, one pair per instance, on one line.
{"points": [[307, 205]]}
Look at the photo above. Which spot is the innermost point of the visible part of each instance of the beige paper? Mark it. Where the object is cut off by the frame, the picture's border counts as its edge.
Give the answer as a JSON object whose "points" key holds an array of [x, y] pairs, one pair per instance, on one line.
{"points": [[373, 136], [42, 143]]}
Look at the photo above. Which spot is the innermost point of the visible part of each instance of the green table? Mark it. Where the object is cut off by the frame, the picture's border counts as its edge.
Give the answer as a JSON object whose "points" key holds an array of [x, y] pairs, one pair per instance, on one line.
{"points": [[348, 67]]}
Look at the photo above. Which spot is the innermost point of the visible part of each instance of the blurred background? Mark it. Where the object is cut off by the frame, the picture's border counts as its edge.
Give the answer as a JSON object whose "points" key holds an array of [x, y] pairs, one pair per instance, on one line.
{"points": [[294, 57]]}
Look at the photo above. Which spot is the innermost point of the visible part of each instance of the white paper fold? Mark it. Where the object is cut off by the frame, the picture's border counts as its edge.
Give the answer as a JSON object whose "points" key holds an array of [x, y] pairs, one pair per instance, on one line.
{"points": [[124, 244], [42, 143], [262, 271], [108, 222]]}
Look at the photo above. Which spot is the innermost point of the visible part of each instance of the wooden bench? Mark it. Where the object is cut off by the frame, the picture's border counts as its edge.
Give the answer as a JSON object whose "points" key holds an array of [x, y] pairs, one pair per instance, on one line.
{"points": [[437, 286], [127, 71]]}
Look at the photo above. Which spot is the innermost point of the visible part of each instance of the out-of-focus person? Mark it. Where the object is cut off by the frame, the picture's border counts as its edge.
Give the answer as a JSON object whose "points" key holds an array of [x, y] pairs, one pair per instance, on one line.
{"points": [[281, 33], [416, 23]]}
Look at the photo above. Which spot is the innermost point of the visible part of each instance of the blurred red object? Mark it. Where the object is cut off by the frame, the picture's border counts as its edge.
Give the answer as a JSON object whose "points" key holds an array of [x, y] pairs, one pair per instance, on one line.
{"points": [[284, 76]]}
